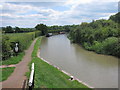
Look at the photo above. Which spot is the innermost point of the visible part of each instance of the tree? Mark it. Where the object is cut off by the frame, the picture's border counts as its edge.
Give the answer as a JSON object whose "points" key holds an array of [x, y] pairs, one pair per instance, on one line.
{"points": [[3, 29], [17, 29], [116, 17], [42, 28], [100, 36], [7, 29]]}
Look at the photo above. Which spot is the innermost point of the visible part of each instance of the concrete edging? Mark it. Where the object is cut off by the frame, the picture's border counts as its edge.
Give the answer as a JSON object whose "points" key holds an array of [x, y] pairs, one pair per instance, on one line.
{"points": [[38, 55]]}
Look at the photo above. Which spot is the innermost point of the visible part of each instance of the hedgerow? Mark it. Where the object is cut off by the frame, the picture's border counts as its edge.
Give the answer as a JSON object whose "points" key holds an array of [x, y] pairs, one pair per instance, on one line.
{"points": [[23, 40]]}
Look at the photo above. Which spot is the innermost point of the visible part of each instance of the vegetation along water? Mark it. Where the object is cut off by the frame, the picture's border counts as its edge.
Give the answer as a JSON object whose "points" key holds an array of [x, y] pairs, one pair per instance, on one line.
{"points": [[100, 36]]}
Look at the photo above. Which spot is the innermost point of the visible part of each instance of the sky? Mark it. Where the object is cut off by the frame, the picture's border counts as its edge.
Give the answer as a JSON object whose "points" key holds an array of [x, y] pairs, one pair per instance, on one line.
{"points": [[29, 13]]}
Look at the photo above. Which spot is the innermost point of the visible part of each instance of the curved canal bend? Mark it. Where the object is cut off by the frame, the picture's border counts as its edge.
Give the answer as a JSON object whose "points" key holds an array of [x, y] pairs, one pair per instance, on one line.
{"points": [[99, 71]]}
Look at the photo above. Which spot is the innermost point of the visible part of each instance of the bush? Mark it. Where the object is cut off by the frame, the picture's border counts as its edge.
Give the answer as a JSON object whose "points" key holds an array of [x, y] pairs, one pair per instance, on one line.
{"points": [[100, 36], [117, 49], [5, 47], [37, 33], [97, 47], [24, 40], [109, 45], [87, 46]]}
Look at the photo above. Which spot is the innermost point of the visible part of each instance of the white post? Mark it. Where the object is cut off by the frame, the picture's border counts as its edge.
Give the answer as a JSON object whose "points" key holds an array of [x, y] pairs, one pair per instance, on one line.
{"points": [[31, 79]]}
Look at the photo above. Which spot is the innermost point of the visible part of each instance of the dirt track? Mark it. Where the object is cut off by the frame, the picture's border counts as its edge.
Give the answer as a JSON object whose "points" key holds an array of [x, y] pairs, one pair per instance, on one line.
{"points": [[17, 78]]}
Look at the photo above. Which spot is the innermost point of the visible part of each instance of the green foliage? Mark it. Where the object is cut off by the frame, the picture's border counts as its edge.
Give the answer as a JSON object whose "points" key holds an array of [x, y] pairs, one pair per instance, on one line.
{"points": [[6, 47], [46, 76], [42, 28], [97, 46], [36, 47], [100, 36], [7, 29], [116, 17], [17, 29], [24, 40], [6, 72], [109, 45], [37, 33], [13, 60], [87, 45], [57, 29]]}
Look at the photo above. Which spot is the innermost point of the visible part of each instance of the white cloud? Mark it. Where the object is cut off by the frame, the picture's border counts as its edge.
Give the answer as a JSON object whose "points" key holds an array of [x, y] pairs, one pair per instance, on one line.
{"points": [[13, 8], [32, 0], [106, 15], [71, 2], [79, 11], [76, 2]]}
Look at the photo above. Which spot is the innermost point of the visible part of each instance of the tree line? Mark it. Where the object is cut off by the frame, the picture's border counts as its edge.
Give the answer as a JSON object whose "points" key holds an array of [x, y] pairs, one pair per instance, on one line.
{"points": [[10, 29], [101, 36], [39, 27]]}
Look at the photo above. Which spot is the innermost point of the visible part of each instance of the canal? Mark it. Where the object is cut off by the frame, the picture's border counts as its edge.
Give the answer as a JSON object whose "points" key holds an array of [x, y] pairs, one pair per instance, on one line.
{"points": [[99, 71]]}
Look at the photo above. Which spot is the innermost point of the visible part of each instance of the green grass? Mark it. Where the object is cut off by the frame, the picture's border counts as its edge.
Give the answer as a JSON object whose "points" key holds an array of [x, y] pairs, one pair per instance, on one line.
{"points": [[5, 73], [24, 40], [46, 76], [13, 60]]}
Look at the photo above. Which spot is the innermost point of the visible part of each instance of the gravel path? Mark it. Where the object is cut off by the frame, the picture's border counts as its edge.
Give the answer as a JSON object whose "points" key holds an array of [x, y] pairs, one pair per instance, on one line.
{"points": [[17, 78]]}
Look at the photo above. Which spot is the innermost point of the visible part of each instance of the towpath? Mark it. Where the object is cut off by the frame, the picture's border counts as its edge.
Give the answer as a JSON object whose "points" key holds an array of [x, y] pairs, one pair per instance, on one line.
{"points": [[18, 78]]}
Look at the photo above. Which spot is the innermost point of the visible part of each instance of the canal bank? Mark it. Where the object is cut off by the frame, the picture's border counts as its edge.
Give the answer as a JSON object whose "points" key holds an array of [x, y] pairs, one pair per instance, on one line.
{"points": [[71, 77], [99, 71], [47, 76]]}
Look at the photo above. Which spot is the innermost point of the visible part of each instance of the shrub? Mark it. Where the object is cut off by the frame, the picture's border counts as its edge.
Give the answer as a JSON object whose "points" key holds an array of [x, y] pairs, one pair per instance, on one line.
{"points": [[5, 47], [97, 46], [109, 45], [37, 33], [24, 40], [87, 46]]}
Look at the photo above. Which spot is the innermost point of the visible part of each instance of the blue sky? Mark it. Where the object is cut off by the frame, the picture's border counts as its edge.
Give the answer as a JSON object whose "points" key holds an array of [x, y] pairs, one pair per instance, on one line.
{"points": [[28, 13]]}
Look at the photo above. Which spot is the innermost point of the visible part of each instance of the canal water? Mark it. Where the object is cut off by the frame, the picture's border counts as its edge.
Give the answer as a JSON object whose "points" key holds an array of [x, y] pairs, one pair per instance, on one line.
{"points": [[99, 71]]}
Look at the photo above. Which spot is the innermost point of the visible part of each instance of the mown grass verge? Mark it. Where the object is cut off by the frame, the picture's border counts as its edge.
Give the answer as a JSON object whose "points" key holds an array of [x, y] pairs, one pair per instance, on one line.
{"points": [[16, 59], [46, 76], [13, 60], [5, 73]]}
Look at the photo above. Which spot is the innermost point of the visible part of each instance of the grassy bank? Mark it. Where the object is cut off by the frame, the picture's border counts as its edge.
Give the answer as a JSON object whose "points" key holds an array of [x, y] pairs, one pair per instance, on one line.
{"points": [[46, 76], [5, 73], [13, 60], [18, 58], [23, 39]]}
